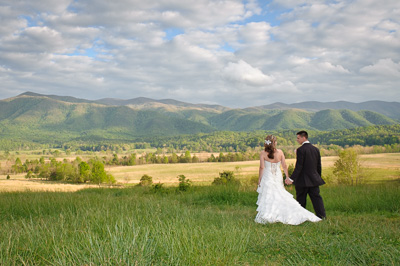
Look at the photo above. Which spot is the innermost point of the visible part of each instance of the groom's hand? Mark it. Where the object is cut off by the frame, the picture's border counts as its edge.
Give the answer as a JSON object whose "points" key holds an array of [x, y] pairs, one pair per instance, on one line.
{"points": [[288, 182]]}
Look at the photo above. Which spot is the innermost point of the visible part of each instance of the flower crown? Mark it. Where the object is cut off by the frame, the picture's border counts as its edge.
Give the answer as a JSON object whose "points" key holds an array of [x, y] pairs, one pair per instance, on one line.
{"points": [[267, 141]]}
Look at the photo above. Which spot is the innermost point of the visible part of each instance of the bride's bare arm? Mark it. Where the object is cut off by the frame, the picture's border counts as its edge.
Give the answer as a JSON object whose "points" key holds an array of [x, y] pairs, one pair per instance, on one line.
{"points": [[260, 172], [284, 166]]}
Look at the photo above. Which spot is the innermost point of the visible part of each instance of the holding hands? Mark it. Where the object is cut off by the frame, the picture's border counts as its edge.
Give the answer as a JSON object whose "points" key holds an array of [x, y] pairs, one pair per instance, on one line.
{"points": [[287, 181]]}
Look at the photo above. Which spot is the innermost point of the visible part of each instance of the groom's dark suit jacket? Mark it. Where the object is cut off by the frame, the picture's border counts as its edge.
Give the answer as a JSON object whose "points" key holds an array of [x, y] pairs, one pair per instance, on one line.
{"points": [[307, 172]]}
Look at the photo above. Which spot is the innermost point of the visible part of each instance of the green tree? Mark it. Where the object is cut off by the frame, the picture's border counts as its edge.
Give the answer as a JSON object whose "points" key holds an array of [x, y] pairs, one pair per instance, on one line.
{"points": [[195, 159], [29, 175], [165, 160], [56, 153], [132, 159], [347, 168], [188, 157], [84, 172], [115, 160], [18, 167], [221, 157], [98, 174], [174, 158], [44, 171]]}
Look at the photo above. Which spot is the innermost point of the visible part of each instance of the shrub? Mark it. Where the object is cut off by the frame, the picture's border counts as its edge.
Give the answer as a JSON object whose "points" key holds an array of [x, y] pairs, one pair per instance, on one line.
{"points": [[8, 176], [184, 184], [347, 168], [330, 179], [225, 178], [158, 187], [110, 179], [146, 180]]}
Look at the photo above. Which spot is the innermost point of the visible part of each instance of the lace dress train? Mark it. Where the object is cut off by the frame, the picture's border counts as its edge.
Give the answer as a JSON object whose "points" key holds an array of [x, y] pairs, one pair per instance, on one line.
{"points": [[275, 204]]}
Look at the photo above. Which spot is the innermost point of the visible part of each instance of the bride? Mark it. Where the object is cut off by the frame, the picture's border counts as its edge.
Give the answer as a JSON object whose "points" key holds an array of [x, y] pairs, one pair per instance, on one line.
{"points": [[275, 204]]}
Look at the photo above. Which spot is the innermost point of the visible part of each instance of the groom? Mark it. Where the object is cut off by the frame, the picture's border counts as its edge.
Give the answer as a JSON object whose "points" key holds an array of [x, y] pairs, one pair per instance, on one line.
{"points": [[307, 175]]}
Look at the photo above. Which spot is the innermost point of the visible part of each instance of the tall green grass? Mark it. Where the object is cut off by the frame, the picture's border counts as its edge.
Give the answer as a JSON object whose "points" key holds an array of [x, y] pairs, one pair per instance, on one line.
{"points": [[204, 226]]}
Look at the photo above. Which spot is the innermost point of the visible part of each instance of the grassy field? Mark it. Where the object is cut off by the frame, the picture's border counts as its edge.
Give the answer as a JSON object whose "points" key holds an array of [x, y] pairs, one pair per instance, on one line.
{"points": [[378, 167], [207, 225]]}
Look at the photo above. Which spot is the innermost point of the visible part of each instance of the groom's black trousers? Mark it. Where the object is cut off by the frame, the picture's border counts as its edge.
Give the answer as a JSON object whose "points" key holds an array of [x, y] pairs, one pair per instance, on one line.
{"points": [[316, 199]]}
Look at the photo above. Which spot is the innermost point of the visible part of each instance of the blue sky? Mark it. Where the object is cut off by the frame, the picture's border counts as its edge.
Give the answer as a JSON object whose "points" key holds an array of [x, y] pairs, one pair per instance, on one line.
{"points": [[233, 53]]}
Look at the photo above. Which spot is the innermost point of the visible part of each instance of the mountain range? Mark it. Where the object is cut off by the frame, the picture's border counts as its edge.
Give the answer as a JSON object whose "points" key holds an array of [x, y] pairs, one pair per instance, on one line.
{"points": [[31, 115]]}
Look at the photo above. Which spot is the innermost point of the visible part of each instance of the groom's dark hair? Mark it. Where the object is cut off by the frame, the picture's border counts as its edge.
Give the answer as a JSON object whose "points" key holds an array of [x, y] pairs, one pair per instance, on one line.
{"points": [[303, 134]]}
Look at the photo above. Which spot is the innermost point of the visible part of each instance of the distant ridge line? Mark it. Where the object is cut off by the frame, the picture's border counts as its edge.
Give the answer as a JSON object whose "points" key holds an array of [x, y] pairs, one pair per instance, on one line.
{"points": [[32, 116], [389, 109]]}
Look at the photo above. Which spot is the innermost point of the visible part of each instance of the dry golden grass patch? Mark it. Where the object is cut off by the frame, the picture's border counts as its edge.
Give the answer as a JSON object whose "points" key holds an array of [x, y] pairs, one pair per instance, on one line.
{"points": [[381, 160], [200, 173], [20, 183], [206, 172], [167, 173]]}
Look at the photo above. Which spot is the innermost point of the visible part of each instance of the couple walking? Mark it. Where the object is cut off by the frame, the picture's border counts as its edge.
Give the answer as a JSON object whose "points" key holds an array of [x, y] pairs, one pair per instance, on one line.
{"points": [[275, 204]]}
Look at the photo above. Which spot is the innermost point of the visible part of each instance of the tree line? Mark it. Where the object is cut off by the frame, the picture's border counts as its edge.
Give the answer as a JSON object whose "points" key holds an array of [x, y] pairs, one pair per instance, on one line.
{"points": [[233, 141], [52, 169], [221, 141], [76, 171], [186, 157]]}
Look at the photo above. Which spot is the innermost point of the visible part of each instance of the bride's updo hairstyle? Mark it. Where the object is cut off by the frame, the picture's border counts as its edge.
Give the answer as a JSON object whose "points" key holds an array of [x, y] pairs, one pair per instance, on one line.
{"points": [[270, 145]]}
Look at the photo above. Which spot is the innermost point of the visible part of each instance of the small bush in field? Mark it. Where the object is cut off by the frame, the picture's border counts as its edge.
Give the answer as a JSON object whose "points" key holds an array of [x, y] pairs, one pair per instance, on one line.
{"points": [[158, 187], [330, 179], [184, 184], [146, 180], [8, 176], [226, 178]]}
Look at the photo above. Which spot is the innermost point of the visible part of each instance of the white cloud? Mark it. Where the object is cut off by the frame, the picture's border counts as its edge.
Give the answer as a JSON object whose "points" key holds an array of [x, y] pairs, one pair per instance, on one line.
{"points": [[255, 33], [245, 73], [383, 68], [230, 52]]}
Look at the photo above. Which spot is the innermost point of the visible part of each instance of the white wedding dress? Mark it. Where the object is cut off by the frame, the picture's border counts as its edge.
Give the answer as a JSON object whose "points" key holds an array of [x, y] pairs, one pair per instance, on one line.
{"points": [[275, 204]]}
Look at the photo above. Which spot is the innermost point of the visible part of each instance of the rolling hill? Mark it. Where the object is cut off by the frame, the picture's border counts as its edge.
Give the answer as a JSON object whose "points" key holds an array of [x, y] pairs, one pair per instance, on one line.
{"points": [[30, 116], [49, 117], [389, 109]]}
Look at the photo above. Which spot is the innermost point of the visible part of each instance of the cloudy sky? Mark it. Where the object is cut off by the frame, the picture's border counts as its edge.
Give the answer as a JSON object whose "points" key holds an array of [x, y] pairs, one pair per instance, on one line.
{"points": [[229, 52]]}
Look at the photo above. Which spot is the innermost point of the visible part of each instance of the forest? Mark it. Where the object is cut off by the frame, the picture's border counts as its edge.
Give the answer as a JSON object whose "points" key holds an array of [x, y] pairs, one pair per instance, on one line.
{"points": [[222, 141]]}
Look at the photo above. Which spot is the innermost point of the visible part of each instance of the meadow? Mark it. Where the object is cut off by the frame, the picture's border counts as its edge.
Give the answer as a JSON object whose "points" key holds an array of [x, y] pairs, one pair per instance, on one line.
{"points": [[378, 167], [207, 225]]}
